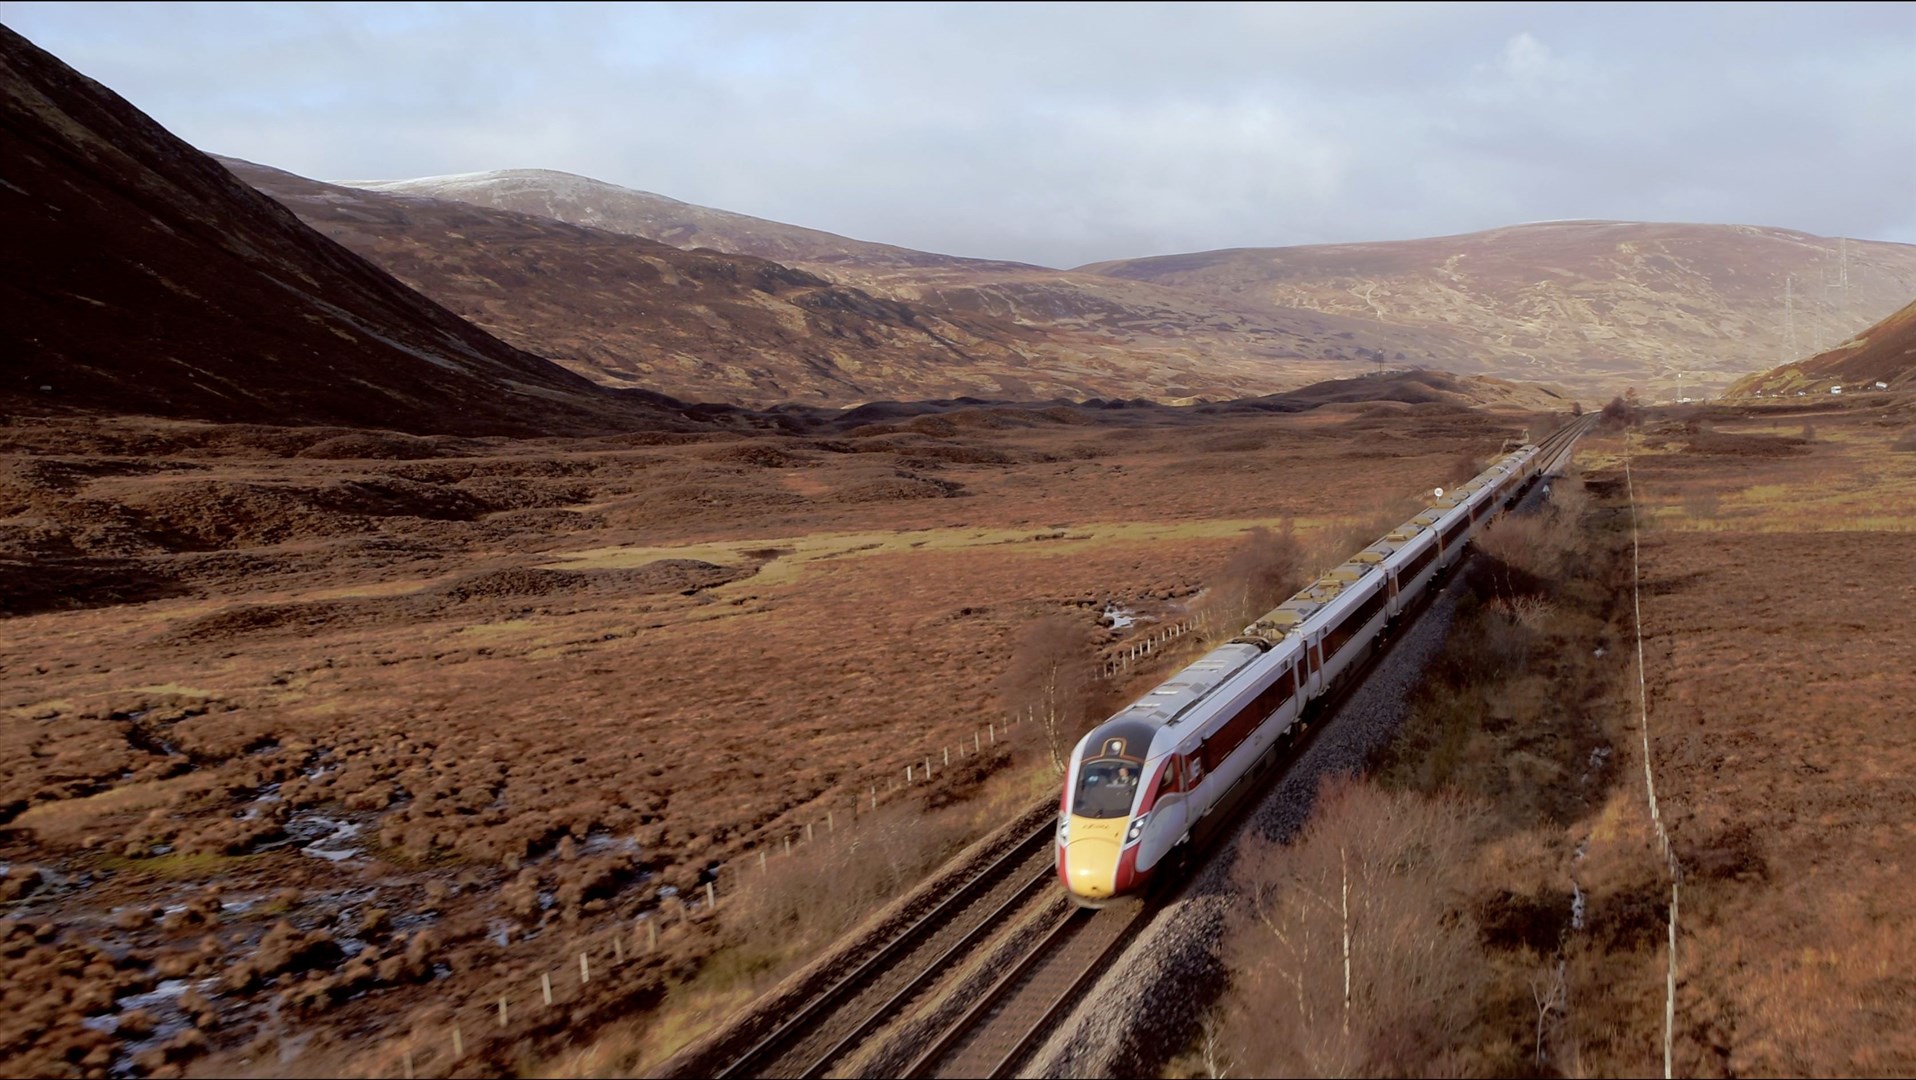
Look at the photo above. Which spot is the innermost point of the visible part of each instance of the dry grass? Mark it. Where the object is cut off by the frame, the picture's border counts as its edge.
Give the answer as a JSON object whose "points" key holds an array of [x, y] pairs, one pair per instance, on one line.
{"points": [[783, 917], [1776, 646], [549, 681]]}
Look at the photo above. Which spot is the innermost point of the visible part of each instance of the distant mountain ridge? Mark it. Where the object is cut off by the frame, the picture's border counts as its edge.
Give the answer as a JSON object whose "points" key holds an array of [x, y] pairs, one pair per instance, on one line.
{"points": [[1134, 338], [581, 200], [1592, 305], [1587, 303]]}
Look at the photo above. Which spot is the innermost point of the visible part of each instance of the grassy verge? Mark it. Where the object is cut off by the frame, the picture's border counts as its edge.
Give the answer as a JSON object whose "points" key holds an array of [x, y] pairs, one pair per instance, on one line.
{"points": [[800, 906]]}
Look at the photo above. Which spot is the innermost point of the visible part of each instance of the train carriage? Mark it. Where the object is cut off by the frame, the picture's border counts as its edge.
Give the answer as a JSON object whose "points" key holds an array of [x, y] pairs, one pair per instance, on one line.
{"points": [[1138, 783]]}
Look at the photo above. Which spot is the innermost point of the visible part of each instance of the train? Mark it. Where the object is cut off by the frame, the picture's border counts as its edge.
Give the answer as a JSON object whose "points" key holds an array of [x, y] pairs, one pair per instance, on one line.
{"points": [[1138, 784]]}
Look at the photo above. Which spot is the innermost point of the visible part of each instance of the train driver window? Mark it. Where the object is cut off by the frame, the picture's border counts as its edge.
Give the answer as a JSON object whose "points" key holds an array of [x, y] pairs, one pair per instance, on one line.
{"points": [[1169, 784], [1106, 788]]}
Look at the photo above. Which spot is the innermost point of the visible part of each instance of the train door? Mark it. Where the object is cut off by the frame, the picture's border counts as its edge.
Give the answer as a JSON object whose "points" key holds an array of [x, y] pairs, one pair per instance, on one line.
{"points": [[1199, 793], [1167, 824]]}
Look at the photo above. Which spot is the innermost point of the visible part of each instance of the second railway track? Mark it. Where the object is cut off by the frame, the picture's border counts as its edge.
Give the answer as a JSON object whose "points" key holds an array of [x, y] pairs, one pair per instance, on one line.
{"points": [[823, 1030]]}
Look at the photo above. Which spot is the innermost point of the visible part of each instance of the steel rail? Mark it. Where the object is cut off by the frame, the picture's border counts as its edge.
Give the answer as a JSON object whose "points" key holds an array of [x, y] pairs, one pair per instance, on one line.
{"points": [[803, 1020], [892, 1005]]}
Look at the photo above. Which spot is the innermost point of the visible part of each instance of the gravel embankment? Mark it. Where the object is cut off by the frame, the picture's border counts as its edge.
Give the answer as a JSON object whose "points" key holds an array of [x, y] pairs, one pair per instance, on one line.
{"points": [[1150, 1005]]}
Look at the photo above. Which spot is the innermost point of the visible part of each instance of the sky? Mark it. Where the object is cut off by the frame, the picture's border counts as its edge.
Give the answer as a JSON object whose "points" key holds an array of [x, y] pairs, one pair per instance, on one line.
{"points": [[1065, 134]]}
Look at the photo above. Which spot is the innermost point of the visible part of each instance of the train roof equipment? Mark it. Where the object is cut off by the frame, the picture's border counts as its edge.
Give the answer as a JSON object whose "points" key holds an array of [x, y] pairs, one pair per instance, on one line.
{"points": [[1313, 607]]}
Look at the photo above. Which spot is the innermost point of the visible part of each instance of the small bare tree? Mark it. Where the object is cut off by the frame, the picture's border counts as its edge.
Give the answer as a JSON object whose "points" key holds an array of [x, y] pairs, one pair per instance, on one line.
{"points": [[1263, 569], [1350, 957], [1049, 682]]}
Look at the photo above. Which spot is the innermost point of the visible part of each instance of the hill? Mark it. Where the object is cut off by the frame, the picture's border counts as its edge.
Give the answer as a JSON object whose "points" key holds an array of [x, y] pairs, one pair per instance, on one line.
{"points": [[139, 276], [698, 324], [1591, 304], [1133, 338], [709, 325], [581, 200], [1884, 353]]}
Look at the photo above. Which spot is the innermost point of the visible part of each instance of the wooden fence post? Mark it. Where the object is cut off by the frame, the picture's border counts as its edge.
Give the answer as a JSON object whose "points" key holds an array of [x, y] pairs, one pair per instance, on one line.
{"points": [[711, 896], [502, 1011], [585, 970], [458, 1044], [545, 985]]}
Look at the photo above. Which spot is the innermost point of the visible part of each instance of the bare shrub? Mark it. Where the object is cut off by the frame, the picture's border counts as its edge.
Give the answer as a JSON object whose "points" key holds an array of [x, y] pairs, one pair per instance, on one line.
{"points": [[1569, 498], [1618, 413], [1702, 504], [1530, 612], [1906, 443], [1530, 544], [1354, 954], [1809, 432], [1263, 569], [1465, 466], [1537, 547], [812, 896], [1049, 681]]}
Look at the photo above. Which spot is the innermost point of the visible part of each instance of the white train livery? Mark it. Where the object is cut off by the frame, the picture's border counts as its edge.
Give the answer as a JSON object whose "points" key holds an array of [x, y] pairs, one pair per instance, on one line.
{"points": [[1139, 782]]}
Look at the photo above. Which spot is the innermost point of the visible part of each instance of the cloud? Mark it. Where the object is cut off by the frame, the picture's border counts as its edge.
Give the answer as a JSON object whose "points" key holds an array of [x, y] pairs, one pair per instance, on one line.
{"points": [[1063, 134]]}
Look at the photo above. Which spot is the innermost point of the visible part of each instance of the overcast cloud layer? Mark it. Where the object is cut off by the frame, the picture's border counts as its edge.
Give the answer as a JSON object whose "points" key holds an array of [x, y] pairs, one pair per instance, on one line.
{"points": [[1065, 134]]}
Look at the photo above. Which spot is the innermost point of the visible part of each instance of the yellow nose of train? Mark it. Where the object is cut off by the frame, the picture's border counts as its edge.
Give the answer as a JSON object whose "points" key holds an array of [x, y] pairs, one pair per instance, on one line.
{"points": [[1091, 864], [1091, 868]]}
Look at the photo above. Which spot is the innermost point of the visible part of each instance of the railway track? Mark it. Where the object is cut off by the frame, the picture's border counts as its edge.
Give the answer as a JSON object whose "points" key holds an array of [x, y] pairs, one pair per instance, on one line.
{"points": [[995, 1035], [972, 987], [837, 1021]]}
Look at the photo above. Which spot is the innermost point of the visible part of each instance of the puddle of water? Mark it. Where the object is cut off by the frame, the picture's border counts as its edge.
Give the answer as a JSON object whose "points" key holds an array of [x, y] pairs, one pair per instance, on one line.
{"points": [[1121, 618], [324, 837], [163, 1003], [601, 842]]}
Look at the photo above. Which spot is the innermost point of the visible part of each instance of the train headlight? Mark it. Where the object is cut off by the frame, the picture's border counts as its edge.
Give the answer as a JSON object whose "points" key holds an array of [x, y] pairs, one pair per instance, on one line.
{"points": [[1064, 829], [1136, 830]]}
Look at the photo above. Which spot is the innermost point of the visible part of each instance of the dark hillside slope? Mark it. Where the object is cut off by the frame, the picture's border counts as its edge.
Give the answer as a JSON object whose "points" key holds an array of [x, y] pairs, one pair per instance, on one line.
{"points": [[1884, 353], [138, 276]]}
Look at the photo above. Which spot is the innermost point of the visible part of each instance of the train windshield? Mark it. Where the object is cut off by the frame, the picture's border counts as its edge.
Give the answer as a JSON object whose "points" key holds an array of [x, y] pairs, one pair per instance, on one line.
{"points": [[1106, 789]]}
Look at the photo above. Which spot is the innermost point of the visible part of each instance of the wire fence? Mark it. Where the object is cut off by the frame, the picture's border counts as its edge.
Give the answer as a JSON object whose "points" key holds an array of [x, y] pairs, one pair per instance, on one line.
{"points": [[1129, 654], [1670, 862]]}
